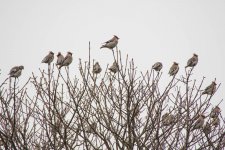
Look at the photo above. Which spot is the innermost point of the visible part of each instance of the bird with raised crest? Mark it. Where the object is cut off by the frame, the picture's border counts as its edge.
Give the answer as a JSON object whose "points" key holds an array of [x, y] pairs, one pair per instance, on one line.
{"points": [[67, 60], [110, 44], [174, 69], [114, 68], [60, 59], [211, 89], [49, 58], [192, 61]]}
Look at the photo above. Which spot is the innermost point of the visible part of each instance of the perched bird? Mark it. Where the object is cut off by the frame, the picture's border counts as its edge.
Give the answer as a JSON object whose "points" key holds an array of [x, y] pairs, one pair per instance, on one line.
{"points": [[215, 112], [168, 119], [60, 59], [135, 110], [97, 68], [174, 69], [207, 128], [16, 71], [92, 128], [164, 118], [114, 68], [49, 58], [157, 66], [67, 60], [199, 122], [111, 43], [210, 90], [192, 61], [216, 121]]}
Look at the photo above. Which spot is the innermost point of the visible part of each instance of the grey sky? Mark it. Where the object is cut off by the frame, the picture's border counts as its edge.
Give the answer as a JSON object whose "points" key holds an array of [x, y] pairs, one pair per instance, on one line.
{"points": [[149, 31]]}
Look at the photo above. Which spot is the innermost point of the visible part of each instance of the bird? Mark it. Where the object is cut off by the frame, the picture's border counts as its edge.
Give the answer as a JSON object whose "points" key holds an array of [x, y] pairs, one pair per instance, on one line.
{"points": [[110, 44], [215, 112], [67, 60], [192, 61], [60, 59], [216, 121], [210, 90], [168, 119], [174, 69], [97, 68], [199, 122], [157, 66], [92, 128], [114, 68], [207, 128], [16, 71], [49, 58]]}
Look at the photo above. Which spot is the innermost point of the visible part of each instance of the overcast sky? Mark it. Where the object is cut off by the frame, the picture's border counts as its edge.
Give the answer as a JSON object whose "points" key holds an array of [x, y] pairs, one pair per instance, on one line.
{"points": [[149, 31]]}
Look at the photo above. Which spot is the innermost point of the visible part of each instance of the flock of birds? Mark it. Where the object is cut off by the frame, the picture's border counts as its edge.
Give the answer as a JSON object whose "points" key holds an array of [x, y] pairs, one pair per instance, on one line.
{"points": [[110, 44], [167, 118]]}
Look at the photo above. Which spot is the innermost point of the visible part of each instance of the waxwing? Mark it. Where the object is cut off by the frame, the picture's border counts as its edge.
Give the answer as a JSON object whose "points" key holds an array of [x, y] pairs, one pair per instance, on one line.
{"points": [[174, 69], [192, 61], [97, 68], [215, 112], [60, 59], [49, 58], [199, 122], [16, 71], [111, 43], [67, 60], [157, 66], [114, 68], [210, 90]]}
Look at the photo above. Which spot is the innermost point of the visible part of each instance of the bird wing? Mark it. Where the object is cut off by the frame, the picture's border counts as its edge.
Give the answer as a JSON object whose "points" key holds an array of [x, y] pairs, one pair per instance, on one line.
{"points": [[67, 59], [190, 61], [46, 59], [14, 70], [111, 40], [156, 65], [172, 69], [208, 87]]}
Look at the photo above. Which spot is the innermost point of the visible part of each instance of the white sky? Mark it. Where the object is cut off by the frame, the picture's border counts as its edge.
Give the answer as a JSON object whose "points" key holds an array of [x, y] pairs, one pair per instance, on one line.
{"points": [[149, 31]]}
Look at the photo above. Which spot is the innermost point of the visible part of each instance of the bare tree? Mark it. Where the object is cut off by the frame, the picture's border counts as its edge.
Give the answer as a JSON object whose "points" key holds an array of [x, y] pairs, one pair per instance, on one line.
{"points": [[121, 109]]}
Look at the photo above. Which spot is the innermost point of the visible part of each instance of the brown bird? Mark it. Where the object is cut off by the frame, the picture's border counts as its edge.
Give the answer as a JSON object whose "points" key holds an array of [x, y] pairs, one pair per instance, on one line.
{"points": [[215, 112], [174, 69], [199, 122], [114, 68], [111, 43], [97, 68], [60, 59], [67, 60], [16, 71], [157, 66], [49, 58], [216, 121], [207, 128], [192, 61], [92, 128], [168, 119], [210, 90]]}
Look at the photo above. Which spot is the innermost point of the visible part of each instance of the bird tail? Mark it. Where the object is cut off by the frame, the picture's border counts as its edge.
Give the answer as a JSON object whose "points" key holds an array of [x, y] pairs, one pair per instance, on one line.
{"points": [[60, 66], [204, 92], [186, 66], [103, 46]]}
